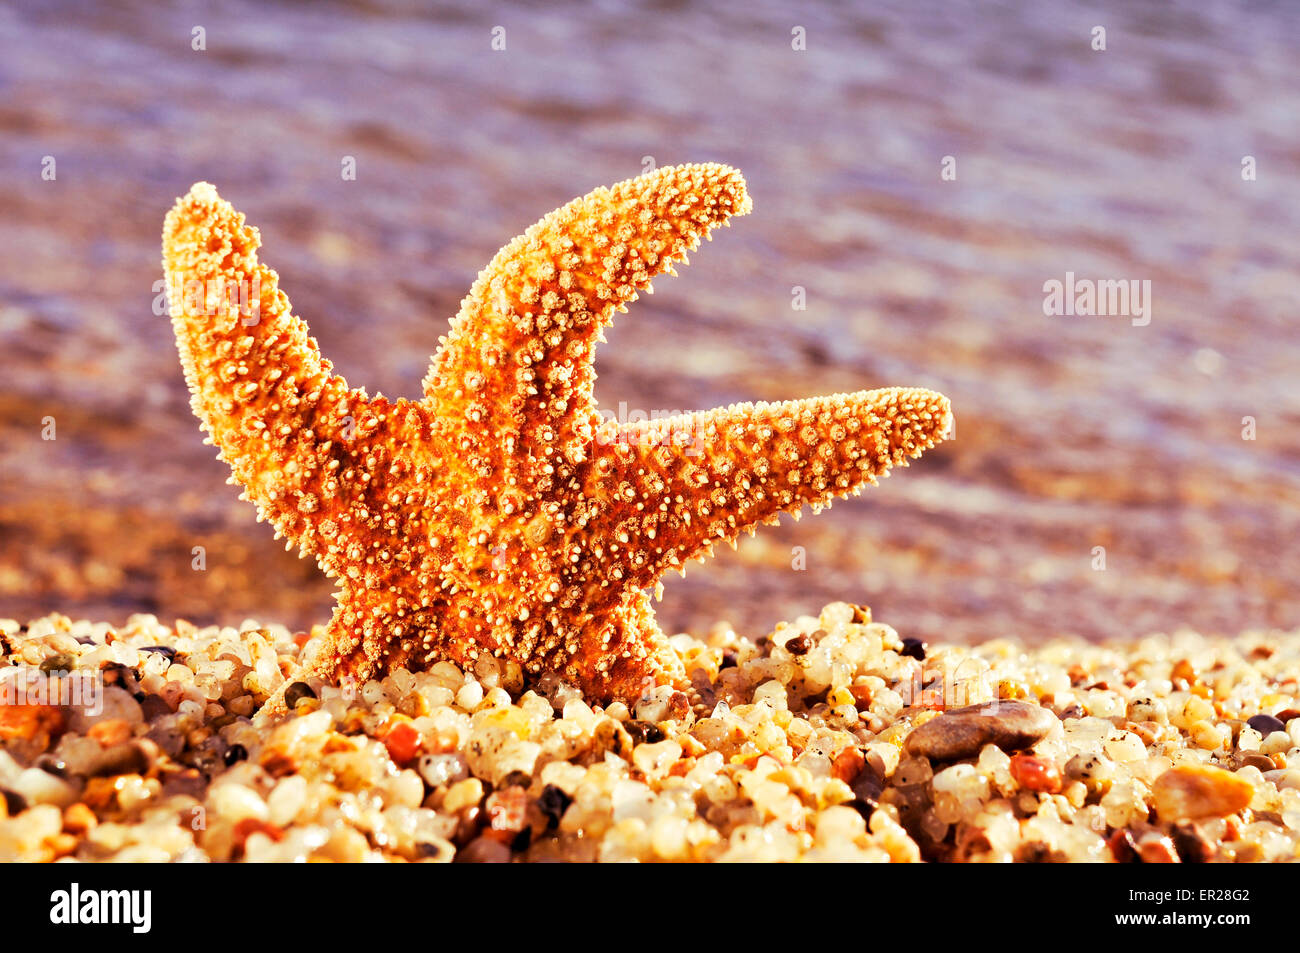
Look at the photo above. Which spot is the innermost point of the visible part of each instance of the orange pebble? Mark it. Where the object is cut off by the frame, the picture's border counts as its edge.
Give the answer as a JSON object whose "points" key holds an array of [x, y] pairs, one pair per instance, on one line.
{"points": [[29, 721], [78, 819], [251, 825], [1036, 774], [402, 742], [848, 764], [110, 732]]}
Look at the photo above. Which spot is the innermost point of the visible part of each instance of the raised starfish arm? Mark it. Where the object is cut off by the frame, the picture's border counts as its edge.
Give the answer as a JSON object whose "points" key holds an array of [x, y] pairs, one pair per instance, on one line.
{"points": [[680, 484], [517, 361], [289, 428]]}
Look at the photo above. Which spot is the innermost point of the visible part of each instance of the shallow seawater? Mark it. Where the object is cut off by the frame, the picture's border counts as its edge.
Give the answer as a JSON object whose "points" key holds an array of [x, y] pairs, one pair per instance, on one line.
{"points": [[1073, 432]]}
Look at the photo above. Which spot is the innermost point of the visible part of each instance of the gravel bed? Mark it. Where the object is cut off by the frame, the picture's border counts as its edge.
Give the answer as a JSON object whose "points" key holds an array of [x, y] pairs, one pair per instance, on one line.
{"points": [[830, 739]]}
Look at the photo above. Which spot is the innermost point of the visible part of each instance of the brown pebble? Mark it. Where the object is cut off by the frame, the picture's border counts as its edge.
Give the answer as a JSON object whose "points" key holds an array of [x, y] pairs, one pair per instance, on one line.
{"points": [[643, 732], [483, 850], [799, 645], [679, 706], [1256, 760], [469, 820], [1122, 847], [1033, 852], [1157, 850], [189, 781], [868, 786], [847, 764], [971, 842], [1192, 792], [1287, 714], [1191, 844], [1266, 724], [154, 706], [277, 763], [962, 732]]}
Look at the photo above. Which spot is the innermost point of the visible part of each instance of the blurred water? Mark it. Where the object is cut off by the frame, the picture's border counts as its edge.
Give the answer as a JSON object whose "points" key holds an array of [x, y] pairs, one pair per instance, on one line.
{"points": [[1074, 432]]}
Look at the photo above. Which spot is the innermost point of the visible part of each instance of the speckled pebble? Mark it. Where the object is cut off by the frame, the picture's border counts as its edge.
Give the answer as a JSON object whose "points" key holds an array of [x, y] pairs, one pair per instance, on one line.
{"points": [[962, 732]]}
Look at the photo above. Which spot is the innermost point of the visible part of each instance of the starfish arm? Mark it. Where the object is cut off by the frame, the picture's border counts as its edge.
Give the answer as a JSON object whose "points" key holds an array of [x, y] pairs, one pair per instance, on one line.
{"points": [[681, 484], [291, 430], [623, 656], [517, 361]]}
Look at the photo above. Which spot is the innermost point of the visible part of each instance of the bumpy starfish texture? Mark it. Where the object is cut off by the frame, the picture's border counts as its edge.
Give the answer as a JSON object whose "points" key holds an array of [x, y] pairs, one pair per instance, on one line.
{"points": [[501, 514]]}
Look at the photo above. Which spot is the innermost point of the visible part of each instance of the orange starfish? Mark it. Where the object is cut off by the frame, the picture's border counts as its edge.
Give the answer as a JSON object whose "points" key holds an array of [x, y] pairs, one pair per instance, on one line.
{"points": [[500, 514]]}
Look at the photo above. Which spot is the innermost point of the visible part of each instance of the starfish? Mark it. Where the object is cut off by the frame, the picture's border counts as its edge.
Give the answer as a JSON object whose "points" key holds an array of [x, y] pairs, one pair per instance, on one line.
{"points": [[501, 514]]}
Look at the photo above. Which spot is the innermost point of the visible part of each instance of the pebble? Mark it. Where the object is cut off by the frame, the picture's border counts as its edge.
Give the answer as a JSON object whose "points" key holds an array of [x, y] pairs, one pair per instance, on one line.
{"points": [[402, 741], [442, 769], [40, 787], [296, 693], [29, 722], [120, 759], [913, 648], [962, 732], [287, 800], [643, 731], [799, 645], [114, 703], [484, 850], [553, 802], [1122, 847], [507, 811], [58, 663], [1266, 724], [189, 782], [1195, 791], [1036, 774], [1157, 849], [153, 707], [78, 819], [236, 802], [14, 803], [1254, 759], [115, 731], [1191, 844]]}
